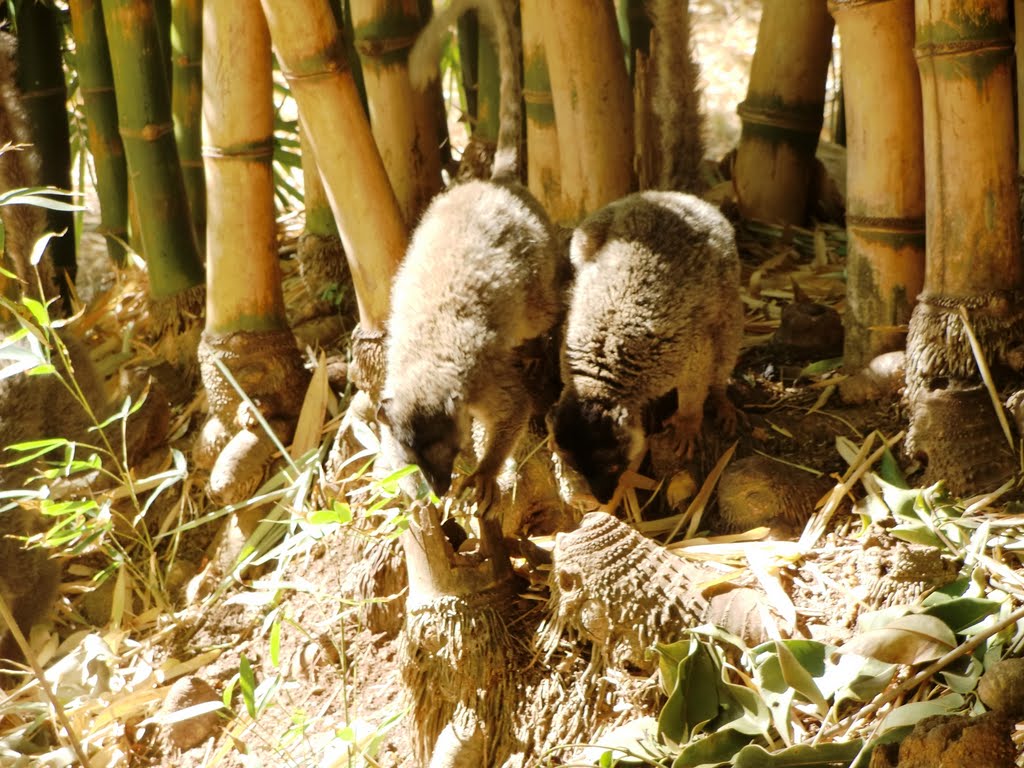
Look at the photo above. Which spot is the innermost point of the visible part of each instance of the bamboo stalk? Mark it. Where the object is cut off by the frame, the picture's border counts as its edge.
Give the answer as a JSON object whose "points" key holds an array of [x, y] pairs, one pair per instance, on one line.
{"points": [[784, 111], [372, 228], [186, 104], [885, 180], [96, 82], [144, 116], [402, 118], [243, 276], [41, 78], [543, 167], [973, 255], [246, 328], [593, 108], [967, 86]]}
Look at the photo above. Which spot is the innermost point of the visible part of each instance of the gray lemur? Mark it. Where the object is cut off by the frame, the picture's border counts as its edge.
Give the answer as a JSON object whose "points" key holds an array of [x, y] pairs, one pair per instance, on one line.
{"points": [[655, 307], [482, 276]]}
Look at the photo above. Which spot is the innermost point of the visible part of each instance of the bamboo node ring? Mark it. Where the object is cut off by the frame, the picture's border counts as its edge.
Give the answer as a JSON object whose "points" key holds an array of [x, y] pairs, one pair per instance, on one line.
{"points": [[800, 120]]}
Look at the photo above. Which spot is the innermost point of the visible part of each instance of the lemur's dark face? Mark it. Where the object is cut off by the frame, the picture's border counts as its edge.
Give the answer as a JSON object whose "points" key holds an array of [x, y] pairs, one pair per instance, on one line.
{"points": [[429, 439], [593, 442]]}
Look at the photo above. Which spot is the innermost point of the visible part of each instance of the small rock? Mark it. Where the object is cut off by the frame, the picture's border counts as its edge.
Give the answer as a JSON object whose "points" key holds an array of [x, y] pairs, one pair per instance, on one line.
{"points": [[1001, 688], [880, 379], [186, 734]]}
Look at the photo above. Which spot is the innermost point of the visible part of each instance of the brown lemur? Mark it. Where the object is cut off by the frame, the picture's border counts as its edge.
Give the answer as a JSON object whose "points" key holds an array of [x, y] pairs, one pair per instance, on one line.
{"points": [[655, 307], [483, 275]]}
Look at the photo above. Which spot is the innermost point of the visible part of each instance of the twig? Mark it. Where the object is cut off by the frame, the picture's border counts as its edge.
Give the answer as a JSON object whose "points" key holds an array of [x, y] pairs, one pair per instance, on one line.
{"points": [[58, 708]]}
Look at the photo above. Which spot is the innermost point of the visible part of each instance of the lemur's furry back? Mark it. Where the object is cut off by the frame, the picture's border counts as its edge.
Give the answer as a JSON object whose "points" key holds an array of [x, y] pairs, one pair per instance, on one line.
{"points": [[496, 18], [19, 167]]}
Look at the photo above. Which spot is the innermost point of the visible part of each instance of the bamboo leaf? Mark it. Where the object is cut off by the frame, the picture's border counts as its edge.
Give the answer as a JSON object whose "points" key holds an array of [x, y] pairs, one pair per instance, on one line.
{"points": [[835, 755]]}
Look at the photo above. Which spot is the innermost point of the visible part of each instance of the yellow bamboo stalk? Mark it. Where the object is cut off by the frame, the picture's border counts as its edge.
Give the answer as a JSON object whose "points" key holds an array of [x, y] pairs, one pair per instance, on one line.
{"points": [[784, 111], [243, 275], [305, 37], [403, 119], [543, 167], [592, 100], [885, 180], [973, 231]]}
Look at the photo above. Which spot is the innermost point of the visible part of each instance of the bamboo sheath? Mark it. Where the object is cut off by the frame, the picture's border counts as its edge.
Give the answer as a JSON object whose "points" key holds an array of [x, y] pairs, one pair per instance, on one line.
{"points": [[402, 118], [885, 177], [783, 112], [543, 168], [965, 56], [96, 82], [243, 281], [144, 120], [592, 101], [373, 232], [186, 104]]}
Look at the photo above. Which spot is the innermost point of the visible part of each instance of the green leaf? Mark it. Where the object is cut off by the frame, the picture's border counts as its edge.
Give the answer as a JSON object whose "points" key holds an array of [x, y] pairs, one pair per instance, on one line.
{"points": [[912, 639], [910, 714], [247, 682], [963, 612], [339, 514], [833, 755], [275, 643], [693, 700], [889, 470], [799, 678], [717, 747]]}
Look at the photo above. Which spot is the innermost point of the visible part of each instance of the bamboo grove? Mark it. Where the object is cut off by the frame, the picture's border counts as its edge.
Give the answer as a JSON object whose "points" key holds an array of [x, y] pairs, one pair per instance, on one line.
{"points": [[183, 165], [182, 124]]}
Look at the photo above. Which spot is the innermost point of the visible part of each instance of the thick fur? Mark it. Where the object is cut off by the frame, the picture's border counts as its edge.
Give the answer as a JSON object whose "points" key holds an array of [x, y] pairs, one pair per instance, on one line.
{"points": [[655, 307], [19, 167], [482, 276]]}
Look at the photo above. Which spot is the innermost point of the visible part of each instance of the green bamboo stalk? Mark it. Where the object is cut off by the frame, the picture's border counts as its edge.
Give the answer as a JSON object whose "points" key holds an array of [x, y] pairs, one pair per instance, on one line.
{"points": [[96, 82], [635, 30], [186, 104], [41, 79], [163, 31], [144, 116], [469, 49]]}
